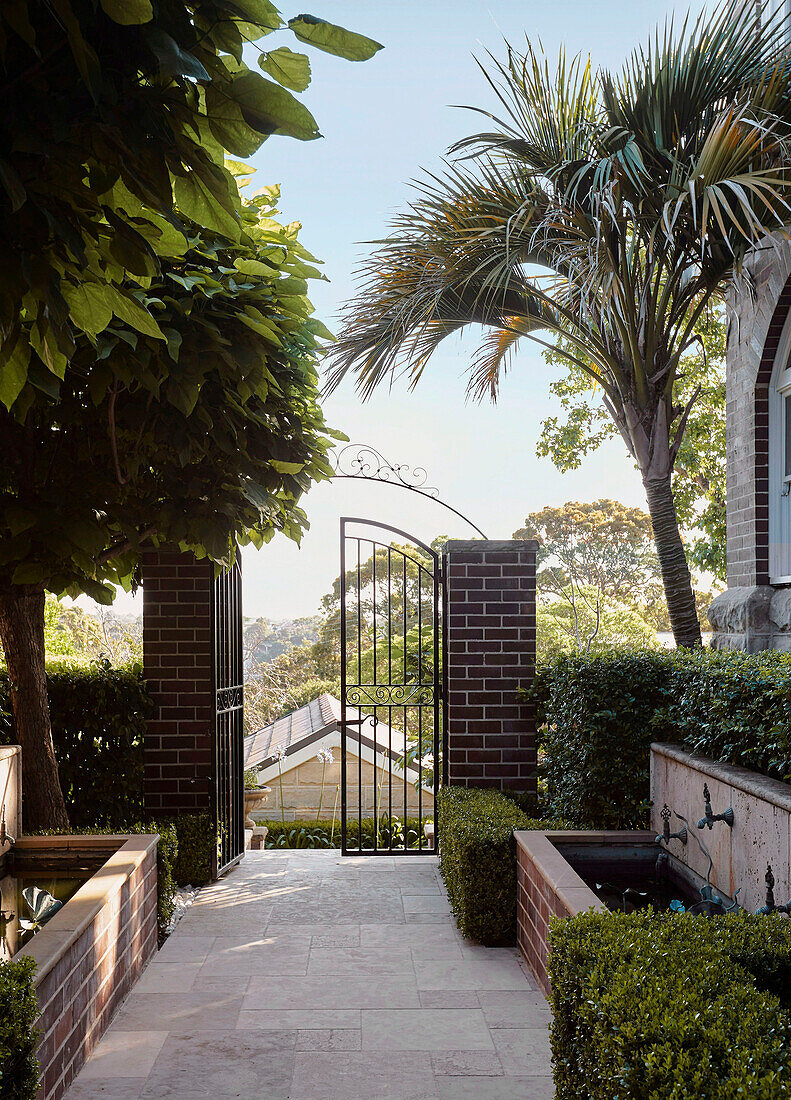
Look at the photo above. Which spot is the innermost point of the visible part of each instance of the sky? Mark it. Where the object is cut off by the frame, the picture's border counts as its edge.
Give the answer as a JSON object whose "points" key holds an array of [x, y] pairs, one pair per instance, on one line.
{"points": [[383, 121]]}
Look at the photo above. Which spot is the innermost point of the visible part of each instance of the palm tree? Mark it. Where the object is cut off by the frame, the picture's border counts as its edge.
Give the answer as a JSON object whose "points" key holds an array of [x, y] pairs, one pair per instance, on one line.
{"points": [[604, 215]]}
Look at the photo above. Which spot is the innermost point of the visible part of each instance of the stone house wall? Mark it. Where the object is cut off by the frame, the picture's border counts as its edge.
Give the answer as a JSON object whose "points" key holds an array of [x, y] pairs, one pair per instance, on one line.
{"points": [[302, 790], [752, 615]]}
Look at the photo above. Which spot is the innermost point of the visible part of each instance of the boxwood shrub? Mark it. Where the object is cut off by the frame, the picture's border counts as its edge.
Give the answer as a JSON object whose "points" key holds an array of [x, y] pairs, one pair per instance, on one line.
{"points": [[672, 1006], [196, 843], [599, 714], [478, 860], [19, 1069]]}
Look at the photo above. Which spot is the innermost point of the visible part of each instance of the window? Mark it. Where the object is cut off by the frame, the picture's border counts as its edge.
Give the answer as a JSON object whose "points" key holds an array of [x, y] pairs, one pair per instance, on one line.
{"points": [[780, 463]]}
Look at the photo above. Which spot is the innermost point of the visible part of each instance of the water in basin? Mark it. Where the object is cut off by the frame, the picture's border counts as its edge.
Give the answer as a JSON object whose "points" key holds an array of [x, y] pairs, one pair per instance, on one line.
{"points": [[20, 871], [631, 878]]}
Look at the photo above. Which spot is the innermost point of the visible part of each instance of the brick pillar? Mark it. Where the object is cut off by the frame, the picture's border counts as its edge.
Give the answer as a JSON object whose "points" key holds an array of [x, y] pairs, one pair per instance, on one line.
{"points": [[490, 652], [177, 662]]}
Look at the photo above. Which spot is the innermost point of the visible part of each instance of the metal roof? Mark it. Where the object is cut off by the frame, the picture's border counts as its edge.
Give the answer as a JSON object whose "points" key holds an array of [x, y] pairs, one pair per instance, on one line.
{"points": [[312, 722]]}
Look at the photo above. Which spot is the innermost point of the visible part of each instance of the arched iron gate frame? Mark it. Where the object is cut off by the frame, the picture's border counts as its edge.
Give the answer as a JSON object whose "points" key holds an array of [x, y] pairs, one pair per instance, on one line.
{"points": [[423, 695], [228, 748]]}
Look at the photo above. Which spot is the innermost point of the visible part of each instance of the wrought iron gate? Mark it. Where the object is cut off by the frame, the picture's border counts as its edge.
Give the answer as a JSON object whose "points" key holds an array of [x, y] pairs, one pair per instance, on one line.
{"points": [[228, 667], [391, 755]]}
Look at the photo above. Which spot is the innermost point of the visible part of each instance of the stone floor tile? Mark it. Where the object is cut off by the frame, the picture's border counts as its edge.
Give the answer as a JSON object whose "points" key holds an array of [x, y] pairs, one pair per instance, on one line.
{"points": [[193, 1011], [244, 964], [425, 903], [223, 1064], [513, 1008], [331, 991], [123, 1053], [373, 962], [363, 1076], [393, 935], [113, 1088], [360, 961], [425, 1029], [336, 939], [500, 973], [181, 948], [430, 918], [523, 1051], [172, 977], [495, 1088], [329, 1039], [448, 998], [299, 1019], [467, 1063]]}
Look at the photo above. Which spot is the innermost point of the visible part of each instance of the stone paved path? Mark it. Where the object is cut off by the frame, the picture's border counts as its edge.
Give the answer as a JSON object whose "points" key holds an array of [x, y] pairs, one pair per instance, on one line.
{"points": [[304, 976]]}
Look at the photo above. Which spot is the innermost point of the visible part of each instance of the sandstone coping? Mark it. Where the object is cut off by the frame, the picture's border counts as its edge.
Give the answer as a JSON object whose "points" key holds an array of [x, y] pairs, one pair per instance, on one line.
{"points": [[124, 855]]}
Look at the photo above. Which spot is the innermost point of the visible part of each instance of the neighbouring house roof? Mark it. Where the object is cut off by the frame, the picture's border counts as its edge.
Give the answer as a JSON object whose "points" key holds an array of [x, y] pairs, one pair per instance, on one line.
{"points": [[312, 723]]}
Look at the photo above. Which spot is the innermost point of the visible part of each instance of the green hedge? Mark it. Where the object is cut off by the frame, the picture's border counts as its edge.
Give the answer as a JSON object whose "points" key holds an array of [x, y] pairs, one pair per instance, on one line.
{"points": [[670, 1006], [196, 843], [309, 833], [98, 722], [478, 860], [600, 714], [19, 1069]]}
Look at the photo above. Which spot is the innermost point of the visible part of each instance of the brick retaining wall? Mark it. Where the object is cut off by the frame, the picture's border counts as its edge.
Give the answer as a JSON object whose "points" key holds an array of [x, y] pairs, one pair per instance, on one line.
{"points": [[91, 953]]}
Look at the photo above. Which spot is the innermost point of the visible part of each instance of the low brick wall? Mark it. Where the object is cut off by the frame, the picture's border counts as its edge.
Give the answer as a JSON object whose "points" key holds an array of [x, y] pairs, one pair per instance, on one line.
{"points": [[91, 953]]}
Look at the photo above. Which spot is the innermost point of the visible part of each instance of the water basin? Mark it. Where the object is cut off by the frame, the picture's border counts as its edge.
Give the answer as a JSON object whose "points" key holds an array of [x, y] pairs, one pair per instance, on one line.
{"points": [[23, 871]]}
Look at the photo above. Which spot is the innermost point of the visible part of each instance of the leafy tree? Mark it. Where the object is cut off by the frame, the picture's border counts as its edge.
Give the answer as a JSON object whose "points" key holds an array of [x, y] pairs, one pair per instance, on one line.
{"points": [[699, 471], [582, 620], [608, 211], [157, 373], [116, 113], [202, 431], [602, 545], [597, 572]]}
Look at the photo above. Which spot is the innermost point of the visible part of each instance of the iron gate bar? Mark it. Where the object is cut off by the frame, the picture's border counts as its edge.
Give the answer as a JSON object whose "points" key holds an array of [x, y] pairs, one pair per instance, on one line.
{"points": [[228, 741], [418, 694]]}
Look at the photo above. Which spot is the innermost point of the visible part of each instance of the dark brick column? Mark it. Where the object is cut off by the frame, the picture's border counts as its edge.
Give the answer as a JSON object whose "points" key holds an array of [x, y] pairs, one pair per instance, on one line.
{"points": [[490, 652], [177, 661]]}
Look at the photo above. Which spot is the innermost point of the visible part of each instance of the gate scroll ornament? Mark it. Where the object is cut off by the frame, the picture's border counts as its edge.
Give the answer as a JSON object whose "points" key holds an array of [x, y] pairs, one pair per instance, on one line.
{"points": [[358, 461]]}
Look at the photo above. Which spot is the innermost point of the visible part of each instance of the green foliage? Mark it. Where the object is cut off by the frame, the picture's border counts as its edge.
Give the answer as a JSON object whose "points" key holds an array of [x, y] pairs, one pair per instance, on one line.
{"points": [[734, 707], [167, 854], [580, 619], [98, 722], [208, 436], [150, 97], [670, 1006], [699, 471], [19, 1069], [196, 845], [326, 834], [599, 715], [478, 860]]}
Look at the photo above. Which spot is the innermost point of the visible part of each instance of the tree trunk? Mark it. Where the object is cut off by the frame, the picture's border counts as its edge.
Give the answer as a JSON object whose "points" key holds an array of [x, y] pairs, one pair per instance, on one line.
{"points": [[673, 562], [22, 636]]}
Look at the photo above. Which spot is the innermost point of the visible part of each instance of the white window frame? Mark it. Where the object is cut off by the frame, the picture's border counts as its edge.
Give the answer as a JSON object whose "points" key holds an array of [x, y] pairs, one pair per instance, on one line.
{"points": [[779, 480]]}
